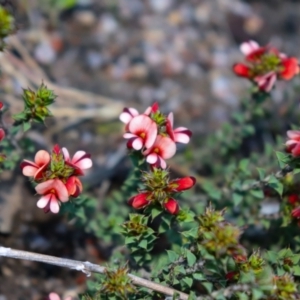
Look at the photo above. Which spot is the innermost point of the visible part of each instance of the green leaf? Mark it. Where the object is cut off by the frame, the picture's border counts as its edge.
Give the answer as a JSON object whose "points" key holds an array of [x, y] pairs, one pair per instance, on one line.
{"points": [[272, 256], [262, 173], [173, 256], [26, 126], [188, 281], [155, 212], [243, 165], [143, 244], [237, 198], [208, 286], [276, 185], [296, 270], [282, 158], [257, 194], [198, 276], [191, 258]]}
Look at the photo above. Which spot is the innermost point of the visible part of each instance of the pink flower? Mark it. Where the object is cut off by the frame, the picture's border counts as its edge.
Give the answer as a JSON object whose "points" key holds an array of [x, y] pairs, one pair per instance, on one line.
{"points": [[54, 296], [181, 184], [142, 132], [141, 200], [163, 148], [74, 186], [54, 192], [266, 82], [172, 206], [80, 161], [178, 135], [293, 144], [35, 169], [128, 114]]}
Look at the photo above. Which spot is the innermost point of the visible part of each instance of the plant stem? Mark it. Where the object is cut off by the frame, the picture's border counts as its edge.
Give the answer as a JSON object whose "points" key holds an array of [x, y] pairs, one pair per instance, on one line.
{"points": [[87, 268]]}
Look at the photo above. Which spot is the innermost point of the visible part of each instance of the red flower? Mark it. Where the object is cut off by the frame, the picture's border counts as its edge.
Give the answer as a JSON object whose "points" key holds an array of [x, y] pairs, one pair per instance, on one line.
{"points": [[182, 184], [293, 199], [172, 206], [178, 135], [54, 192], [163, 148], [291, 68], [296, 212], [142, 132], [128, 114], [80, 161], [74, 186], [35, 169], [293, 144], [2, 134], [141, 200]]}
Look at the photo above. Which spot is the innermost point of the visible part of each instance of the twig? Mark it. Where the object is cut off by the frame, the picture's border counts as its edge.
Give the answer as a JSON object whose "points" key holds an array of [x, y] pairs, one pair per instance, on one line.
{"points": [[87, 268]]}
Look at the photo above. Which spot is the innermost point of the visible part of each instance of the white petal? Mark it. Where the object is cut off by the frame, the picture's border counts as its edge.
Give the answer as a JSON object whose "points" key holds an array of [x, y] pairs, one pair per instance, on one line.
{"points": [[54, 206], [137, 144], [152, 158], [43, 201], [248, 47], [181, 138]]}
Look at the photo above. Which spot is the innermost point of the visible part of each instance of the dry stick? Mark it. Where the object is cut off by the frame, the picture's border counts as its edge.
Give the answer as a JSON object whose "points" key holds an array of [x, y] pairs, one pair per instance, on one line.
{"points": [[87, 268]]}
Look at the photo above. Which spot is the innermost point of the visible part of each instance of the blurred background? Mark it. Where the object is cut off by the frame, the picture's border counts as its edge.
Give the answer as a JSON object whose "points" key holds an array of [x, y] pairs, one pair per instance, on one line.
{"points": [[100, 56]]}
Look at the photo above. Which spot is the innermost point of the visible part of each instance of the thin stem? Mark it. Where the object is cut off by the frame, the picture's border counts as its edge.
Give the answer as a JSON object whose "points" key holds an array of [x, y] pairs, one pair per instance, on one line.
{"points": [[87, 268]]}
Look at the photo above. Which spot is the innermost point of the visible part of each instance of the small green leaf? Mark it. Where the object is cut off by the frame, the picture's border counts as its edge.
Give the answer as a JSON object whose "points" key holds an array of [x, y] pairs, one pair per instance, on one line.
{"points": [[26, 126], [237, 198], [188, 281], [191, 258], [257, 194], [276, 184], [262, 173], [282, 158], [173, 256], [143, 244]]}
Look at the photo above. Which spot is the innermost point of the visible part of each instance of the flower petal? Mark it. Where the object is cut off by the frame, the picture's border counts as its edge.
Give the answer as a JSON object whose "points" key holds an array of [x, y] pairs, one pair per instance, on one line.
{"points": [[53, 296], [54, 205], [61, 190], [42, 203], [166, 146], [248, 47], [28, 170], [293, 134], [137, 143], [66, 153], [42, 157], [152, 158], [182, 184], [140, 200], [44, 187], [291, 68], [241, 70]]}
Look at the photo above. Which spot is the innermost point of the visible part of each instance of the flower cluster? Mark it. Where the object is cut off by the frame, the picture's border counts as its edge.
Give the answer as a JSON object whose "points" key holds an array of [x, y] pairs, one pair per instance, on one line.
{"points": [[56, 175], [159, 189], [265, 65], [153, 134]]}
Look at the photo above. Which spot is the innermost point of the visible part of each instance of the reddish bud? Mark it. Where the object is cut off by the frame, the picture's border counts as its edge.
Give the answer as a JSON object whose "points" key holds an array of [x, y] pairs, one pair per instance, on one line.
{"points": [[56, 149], [172, 206], [241, 70], [291, 68], [139, 201], [182, 184]]}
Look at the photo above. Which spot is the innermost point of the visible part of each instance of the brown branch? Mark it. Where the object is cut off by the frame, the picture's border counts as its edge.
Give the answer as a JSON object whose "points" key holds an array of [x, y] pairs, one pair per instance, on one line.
{"points": [[87, 268]]}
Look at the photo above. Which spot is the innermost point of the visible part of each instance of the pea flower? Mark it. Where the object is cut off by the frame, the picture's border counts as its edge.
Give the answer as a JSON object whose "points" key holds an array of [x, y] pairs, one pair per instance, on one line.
{"points": [[142, 132], [80, 161], [35, 169], [163, 148], [265, 65], [54, 192], [293, 142], [178, 135]]}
